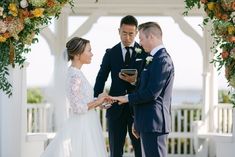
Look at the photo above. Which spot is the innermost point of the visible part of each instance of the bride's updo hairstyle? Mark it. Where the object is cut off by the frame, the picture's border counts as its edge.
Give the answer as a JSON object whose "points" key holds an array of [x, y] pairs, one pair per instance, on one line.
{"points": [[75, 46]]}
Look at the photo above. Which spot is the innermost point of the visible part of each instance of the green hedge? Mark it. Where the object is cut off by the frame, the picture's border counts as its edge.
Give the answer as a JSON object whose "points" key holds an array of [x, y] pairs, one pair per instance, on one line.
{"points": [[34, 96]]}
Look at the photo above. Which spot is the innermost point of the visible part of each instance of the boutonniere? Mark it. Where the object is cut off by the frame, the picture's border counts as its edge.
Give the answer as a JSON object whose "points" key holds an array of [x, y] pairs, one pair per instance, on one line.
{"points": [[138, 50], [149, 59]]}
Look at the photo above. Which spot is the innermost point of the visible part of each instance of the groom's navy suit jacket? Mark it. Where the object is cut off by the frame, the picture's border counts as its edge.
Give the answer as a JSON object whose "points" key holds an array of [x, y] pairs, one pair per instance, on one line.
{"points": [[113, 62], [152, 100]]}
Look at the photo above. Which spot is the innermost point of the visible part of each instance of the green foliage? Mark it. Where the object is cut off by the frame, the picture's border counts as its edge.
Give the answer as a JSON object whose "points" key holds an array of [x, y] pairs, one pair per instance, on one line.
{"points": [[191, 4], [20, 22], [224, 96], [34, 96], [220, 14]]}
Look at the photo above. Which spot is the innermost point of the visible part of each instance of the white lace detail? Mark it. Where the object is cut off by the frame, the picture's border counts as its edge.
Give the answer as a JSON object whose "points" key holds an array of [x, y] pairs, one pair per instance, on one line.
{"points": [[80, 92]]}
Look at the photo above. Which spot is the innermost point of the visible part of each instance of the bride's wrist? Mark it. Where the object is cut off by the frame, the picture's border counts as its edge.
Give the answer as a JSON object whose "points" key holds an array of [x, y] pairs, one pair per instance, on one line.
{"points": [[93, 104]]}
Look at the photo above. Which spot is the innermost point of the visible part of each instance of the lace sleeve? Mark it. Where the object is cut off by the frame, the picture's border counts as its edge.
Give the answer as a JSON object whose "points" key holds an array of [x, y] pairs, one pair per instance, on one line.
{"points": [[76, 97]]}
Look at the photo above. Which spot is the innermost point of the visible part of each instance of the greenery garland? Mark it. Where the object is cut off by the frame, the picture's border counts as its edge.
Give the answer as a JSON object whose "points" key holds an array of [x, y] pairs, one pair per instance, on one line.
{"points": [[20, 21], [221, 13]]}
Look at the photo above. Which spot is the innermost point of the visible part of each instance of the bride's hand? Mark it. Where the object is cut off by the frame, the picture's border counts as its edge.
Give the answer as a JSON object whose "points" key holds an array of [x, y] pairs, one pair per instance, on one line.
{"points": [[100, 100], [108, 102], [97, 102]]}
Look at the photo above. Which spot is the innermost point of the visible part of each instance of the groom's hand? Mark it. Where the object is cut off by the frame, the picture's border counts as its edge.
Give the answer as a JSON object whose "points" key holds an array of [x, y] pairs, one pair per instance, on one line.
{"points": [[135, 132], [121, 99]]}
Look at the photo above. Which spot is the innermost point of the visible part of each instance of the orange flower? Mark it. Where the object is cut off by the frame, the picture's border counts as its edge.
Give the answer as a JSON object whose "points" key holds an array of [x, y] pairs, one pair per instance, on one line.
{"points": [[225, 54], [26, 13], [218, 15], [233, 5], [6, 35], [50, 3], [224, 17], [203, 1], [231, 39]]}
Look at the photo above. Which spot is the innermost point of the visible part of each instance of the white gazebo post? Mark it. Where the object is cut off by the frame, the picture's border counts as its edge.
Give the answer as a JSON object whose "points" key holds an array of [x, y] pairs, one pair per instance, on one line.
{"points": [[13, 125], [61, 33], [57, 42], [210, 88]]}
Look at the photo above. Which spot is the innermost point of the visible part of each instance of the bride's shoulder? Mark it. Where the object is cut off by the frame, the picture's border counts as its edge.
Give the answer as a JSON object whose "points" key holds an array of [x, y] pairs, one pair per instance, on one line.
{"points": [[74, 73]]}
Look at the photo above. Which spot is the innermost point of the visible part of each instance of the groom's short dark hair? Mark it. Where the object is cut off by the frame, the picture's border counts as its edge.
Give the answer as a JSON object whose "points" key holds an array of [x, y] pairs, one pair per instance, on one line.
{"points": [[129, 20]]}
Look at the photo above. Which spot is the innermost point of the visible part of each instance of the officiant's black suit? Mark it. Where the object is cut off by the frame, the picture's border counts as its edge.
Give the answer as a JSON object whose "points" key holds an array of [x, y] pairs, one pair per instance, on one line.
{"points": [[119, 117]]}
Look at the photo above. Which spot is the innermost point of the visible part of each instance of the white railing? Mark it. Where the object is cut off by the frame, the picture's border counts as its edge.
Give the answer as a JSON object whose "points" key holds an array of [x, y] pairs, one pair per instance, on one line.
{"points": [[180, 142], [39, 118], [224, 118]]}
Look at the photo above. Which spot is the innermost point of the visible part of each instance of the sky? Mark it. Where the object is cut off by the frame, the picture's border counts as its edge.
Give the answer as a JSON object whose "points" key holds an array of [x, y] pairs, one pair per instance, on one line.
{"points": [[185, 53]]}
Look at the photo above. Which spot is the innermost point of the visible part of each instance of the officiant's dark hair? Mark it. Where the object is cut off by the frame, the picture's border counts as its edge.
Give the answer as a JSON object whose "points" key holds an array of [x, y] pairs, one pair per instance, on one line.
{"points": [[129, 20], [76, 46]]}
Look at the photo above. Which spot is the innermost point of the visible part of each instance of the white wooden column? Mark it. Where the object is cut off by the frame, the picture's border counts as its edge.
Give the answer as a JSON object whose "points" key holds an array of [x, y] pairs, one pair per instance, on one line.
{"points": [[61, 33], [210, 84], [210, 89], [13, 115]]}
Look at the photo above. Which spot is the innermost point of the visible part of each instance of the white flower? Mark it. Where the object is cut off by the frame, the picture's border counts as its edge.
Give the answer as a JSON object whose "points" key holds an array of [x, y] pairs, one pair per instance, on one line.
{"points": [[233, 17], [138, 50], [149, 59], [1, 11], [3, 27], [24, 4]]}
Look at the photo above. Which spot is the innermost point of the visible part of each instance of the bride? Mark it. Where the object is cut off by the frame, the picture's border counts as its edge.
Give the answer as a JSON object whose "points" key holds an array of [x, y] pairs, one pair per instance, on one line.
{"points": [[81, 135]]}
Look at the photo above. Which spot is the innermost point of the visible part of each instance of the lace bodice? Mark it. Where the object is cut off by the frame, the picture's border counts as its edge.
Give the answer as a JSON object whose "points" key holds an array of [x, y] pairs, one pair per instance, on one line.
{"points": [[79, 91]]}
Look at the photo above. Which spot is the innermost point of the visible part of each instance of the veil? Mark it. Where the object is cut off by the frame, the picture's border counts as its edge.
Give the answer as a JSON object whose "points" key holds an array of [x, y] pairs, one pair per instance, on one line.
{"points": [[57, 93]]}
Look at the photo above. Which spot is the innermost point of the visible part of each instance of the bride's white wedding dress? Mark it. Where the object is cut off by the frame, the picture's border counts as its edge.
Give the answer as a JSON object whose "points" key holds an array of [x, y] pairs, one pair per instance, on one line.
{"points": [[81, 135]]}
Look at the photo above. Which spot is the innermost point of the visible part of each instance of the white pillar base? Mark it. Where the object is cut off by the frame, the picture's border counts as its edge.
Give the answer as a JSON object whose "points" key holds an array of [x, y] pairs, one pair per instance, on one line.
{"points": [[13, 115]]}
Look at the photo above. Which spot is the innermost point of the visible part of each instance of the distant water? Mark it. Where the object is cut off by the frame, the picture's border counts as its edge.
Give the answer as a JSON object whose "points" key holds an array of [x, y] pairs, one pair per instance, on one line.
{"points": [[189, 96]]}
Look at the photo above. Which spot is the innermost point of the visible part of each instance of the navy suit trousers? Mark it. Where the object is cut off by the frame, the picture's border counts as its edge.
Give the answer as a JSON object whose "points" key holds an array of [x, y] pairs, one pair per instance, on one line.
{"points": [[153, 144]]}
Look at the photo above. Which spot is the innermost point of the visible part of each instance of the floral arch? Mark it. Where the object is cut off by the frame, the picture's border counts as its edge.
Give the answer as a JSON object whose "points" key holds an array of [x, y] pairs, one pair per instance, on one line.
{"points": [[221, 14], [20, 21]]}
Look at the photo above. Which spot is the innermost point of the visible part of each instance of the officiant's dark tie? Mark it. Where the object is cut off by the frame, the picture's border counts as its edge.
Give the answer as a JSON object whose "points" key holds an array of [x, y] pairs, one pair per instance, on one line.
{"points": [[127, 56]]}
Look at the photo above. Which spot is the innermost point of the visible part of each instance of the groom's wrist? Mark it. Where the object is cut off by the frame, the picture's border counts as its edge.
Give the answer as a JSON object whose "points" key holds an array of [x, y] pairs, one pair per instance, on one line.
{"points": [[133, 83]]}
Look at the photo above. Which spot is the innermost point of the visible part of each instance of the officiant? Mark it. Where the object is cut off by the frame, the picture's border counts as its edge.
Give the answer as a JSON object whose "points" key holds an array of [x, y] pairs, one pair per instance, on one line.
{"points": [[127, 54]]}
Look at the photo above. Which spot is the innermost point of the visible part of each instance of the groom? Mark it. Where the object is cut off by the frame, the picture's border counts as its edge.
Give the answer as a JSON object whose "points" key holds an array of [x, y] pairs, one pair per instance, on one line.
{"points": [[152, 100]]}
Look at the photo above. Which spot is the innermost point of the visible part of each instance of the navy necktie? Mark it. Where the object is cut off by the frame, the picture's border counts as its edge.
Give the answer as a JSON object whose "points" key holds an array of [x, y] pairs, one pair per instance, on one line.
{"points": [[127, 56]]}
